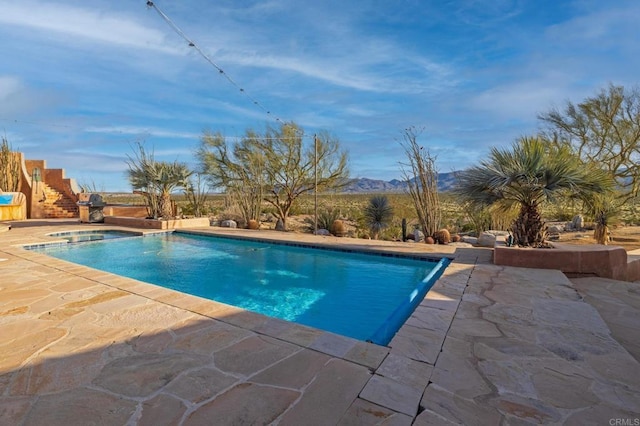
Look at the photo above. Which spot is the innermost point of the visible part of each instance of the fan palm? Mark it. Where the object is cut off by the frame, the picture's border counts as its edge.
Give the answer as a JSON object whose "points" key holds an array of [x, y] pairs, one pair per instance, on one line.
{"points": [[531, 172], [157, 179], [170, 176], [377, 214]]}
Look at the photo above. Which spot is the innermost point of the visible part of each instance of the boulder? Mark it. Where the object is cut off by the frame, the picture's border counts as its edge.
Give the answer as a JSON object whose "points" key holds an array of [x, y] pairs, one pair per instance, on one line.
{"points": [[324, 232], [577, 222], [280, 225], [429, 240], [229, 223], [469, 240], [486, 239], [253, 224], [418, 236], [556, 229]]}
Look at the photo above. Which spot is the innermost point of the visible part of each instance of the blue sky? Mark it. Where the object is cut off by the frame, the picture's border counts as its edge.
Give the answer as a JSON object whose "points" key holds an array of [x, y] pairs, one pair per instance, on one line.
{"points": [[82, 80]]}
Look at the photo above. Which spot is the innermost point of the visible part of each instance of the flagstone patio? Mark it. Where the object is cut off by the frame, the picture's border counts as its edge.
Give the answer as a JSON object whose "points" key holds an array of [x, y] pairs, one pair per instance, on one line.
{"points": [[488, 345]]}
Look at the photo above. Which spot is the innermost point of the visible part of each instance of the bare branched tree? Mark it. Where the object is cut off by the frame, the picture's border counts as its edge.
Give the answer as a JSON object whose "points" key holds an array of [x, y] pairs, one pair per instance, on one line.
{"points": [[421, 176], [277, 167], [603, 129], [238, 169]]}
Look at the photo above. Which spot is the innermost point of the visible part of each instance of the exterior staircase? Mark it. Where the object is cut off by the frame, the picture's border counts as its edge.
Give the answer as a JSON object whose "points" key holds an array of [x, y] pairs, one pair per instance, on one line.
{"points": [[57, 205]]}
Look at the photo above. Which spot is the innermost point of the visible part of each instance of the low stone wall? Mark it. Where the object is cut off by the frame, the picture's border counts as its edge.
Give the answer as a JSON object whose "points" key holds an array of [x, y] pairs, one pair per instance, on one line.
{"points": [[136, 222], [633, 265], [125, 210], [573, 260]]}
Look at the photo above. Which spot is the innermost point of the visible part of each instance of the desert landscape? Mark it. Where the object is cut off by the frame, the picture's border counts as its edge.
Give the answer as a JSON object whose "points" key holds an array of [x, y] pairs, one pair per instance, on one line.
{"points": [[348, 207]]}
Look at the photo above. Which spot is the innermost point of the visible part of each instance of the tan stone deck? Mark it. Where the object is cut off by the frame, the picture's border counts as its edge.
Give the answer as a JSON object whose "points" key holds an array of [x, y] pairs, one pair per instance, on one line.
{"points": [[488, 345]]}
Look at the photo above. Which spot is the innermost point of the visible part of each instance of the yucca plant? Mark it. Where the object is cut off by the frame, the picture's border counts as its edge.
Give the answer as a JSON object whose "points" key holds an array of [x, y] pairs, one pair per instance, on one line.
{"points": [[377, 214], [605, 208], [531, 172]]}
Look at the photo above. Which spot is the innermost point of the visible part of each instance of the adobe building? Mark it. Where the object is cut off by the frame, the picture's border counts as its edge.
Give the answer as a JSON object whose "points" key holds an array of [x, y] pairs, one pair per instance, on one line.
{"points": [[48, 193]]}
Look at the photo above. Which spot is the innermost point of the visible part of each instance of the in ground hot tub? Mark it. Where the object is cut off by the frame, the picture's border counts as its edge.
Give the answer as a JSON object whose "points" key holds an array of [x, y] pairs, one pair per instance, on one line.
{"points": [[94, 235]]}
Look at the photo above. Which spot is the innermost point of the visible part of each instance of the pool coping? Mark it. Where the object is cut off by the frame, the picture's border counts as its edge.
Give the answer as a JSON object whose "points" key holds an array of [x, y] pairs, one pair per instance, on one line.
{"points": [[254, 320], [368, 355], [489, 344]]}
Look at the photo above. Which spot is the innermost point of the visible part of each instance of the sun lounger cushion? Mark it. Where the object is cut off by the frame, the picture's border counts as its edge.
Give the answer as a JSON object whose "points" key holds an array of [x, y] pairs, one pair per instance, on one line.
{"points": [[6, 199]]}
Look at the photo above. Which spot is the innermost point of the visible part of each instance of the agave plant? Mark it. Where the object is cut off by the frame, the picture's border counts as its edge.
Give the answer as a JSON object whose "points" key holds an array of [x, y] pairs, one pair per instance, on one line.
{"points": [[377, 214], [531, 172], [326, 218]]}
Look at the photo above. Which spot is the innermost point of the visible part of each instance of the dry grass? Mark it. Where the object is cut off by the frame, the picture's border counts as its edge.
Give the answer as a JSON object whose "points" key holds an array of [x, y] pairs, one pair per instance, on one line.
{"points": [[453, 217], [627, 237]]}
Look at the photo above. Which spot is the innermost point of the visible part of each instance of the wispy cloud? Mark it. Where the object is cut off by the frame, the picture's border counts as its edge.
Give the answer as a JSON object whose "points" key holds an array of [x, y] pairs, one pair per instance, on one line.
{"points": [[85, 78], [84, 24], [143, 131]]}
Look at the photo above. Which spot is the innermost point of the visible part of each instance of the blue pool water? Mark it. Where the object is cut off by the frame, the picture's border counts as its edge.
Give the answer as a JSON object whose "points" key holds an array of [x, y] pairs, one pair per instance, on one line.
{"points": [[358, 295]]}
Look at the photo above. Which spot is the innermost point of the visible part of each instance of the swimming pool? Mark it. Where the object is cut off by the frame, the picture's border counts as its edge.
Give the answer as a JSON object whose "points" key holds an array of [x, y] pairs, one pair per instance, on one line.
{"points": [[364, 296]]}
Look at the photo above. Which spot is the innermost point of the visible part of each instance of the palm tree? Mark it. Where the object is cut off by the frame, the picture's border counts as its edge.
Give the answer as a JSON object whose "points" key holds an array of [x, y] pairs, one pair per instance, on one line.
{"points": [[170, 176], [156, 180], [377, 214], [531, 172]]}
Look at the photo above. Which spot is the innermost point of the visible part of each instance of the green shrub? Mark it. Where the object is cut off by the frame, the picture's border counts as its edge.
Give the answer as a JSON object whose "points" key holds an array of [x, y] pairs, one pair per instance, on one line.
{"points": [[325, 219]]}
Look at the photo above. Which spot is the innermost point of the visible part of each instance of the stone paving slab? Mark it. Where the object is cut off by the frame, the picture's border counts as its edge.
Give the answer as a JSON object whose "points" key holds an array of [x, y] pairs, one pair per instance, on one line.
{"points": [[618, 302], [487, 345], [525, 347]]}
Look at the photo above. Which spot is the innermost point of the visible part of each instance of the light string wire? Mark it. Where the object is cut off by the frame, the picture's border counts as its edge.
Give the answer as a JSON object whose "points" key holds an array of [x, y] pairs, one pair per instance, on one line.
{"points": [[191, 43], [207, 58]]}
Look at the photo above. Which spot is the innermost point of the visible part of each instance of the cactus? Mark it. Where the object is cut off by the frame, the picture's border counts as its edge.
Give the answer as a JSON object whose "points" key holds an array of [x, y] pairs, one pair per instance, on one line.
{"points": [[9, 168], [338, 228], [442, 236]]}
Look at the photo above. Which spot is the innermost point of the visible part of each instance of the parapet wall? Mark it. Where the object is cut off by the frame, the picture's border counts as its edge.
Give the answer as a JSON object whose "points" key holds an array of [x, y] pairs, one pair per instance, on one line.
{"points": [[573, 260]]}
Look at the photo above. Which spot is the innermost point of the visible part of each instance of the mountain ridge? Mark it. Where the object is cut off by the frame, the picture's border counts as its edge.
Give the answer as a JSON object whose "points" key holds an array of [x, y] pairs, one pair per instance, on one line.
{"points": [[446, 181]]}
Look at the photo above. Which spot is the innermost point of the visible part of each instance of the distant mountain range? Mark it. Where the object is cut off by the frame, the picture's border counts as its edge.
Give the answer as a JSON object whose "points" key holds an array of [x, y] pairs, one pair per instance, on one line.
{"points": [[446, 182]]}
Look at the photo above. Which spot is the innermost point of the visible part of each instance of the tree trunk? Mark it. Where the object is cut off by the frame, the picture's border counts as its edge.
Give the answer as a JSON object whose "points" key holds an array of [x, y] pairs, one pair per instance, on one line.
{"points": [[166, 210], [528, 228]]}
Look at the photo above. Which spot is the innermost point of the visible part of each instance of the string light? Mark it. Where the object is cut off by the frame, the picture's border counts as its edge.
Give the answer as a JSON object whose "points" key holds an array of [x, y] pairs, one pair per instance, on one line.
{"points": [[207, 58], [37, 123]]}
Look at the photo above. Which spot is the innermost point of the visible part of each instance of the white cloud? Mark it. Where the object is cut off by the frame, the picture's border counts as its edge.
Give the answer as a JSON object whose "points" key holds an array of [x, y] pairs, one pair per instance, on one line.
{"points": [[8, 86], [82, 23], [519, 100], [16, 99], [142, 131], [599, 26]]}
